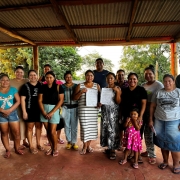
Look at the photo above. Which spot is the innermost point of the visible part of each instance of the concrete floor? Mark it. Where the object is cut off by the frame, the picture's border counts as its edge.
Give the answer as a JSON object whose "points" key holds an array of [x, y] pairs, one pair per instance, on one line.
{"points": [[70, 165]]}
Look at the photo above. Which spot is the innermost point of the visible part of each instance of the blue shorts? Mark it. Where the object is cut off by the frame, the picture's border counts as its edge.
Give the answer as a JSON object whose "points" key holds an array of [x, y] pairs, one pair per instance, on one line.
{"points": [[168, 135], [11, 118], [54, 119]]}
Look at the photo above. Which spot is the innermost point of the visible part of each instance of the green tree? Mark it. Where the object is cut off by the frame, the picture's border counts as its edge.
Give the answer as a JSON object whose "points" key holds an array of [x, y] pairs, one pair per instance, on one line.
{"points": [[136, 58], [89, 62]]}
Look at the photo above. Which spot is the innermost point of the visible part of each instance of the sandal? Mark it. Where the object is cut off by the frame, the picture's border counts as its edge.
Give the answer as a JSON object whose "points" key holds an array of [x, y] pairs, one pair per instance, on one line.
{"points": [[130, 157], [163, 166], [90, 150], [33, 151], [83, 152], [40, 148], [26, 144], [122, 162], [60, 141], [135, 166], [7, 154], [48, 152], [106, 151], [112, 156], [175, 170], [19, 152], [152, 160], [55, 153]]}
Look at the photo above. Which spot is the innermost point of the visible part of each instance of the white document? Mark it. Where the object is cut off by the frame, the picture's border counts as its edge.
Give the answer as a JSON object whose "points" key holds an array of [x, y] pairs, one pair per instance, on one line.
{"points": [[91, 97], [107, 96]]}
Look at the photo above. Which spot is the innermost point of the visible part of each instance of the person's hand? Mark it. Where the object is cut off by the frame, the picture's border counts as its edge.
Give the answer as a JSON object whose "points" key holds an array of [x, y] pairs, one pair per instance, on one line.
{"points": [[99, 105], [25, 116], [116, 89], [151, 123], [44, 114], [128, 119], [6, 112], [84, 90], [49, 115]]}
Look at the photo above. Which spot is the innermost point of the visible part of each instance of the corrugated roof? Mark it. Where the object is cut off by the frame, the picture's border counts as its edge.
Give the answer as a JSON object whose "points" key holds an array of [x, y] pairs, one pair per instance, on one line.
{"points": [[96, 22]]}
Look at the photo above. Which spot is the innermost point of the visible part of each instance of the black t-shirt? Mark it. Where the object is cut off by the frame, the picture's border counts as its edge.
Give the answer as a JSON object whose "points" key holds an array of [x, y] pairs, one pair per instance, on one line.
{"points": [[31, 93], [50, 95], [132, 99]]}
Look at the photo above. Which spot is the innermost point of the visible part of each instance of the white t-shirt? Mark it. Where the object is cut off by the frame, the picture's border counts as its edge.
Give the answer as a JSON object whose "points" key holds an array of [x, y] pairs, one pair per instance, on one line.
{"points": [[168, 104]]}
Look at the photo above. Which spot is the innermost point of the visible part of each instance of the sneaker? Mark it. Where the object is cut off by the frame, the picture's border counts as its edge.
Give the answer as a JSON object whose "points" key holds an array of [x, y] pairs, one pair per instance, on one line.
{"points": [[75, 147], [60, 141], [68, 146], [144, 154]]}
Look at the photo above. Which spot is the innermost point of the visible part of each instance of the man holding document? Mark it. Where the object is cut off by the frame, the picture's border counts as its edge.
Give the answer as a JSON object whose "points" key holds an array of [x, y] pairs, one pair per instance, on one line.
{"points": [[87, 95]]}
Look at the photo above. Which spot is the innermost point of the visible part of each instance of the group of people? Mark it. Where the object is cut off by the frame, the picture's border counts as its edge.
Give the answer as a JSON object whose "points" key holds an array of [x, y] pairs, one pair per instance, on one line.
{"points": [[151, 110]]}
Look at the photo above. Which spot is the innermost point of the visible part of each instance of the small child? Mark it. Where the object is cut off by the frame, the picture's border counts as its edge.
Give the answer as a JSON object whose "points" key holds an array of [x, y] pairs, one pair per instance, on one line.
{"points": [[132, 138]]}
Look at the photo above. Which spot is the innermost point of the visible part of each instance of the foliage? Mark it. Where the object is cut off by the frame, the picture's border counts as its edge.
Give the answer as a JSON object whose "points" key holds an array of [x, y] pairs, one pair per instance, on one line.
{"points": [[136, 58], [88, 62], [10, 58], [60, 58]]}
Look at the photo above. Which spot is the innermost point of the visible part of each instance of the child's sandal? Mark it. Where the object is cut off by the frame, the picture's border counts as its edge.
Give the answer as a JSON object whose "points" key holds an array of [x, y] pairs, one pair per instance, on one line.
{"points": [[122, 162], [135, 166]]}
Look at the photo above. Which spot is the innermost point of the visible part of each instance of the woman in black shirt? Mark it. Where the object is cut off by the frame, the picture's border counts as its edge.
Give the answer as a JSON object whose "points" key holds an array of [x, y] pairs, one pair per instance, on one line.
{"points": [[30, 109], [51, 97]]}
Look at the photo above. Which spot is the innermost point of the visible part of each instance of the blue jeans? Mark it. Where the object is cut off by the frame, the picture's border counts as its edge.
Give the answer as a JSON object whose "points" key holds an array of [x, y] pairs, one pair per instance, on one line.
{"points": [[70, 117]]}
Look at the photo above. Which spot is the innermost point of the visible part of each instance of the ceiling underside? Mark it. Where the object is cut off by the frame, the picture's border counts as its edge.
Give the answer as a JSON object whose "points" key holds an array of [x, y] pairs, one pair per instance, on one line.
{"points": [[88, 22]]}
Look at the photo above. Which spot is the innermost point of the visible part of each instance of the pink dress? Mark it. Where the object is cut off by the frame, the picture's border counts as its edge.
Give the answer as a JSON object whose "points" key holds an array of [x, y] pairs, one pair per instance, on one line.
{"points": [[132, 139]]}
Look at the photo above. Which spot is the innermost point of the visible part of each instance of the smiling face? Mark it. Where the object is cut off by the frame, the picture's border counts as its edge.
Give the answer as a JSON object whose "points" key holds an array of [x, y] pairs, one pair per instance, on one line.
{"points": [[4, 82], [33, 77], [149, 75], [110, 79], [68, 78], [169, 84], [89, 77], [46, 69], [133, 81], [49, 79], [134, 115], [19, 73]]}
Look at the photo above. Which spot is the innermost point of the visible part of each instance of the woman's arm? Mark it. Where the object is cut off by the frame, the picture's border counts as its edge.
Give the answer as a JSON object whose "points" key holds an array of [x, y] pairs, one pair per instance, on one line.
{"points": [[151, 116], [23, 106], [40, 100], [13, 107], [143, 107], [77, 93], [117, 94], [58, 105]]}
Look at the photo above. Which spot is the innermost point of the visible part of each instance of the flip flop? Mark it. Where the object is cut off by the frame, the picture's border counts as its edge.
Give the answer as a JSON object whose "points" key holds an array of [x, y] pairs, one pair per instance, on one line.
{"points": [[175, 169], [135, 166], [33, 151], [90, 150], [122, 162], [82, 152], [55, 153], [19, 152], [7, 154], [163, 166], [48, 152]]}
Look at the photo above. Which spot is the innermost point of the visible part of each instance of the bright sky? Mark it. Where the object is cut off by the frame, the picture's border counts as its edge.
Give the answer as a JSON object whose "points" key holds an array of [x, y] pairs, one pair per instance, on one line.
{"points": [[112, 53]]}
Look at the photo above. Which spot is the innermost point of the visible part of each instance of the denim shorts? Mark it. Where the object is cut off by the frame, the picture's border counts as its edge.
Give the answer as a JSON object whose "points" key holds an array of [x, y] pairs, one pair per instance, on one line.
{"points": [[54, 119], [11, 118], [168, 135]]}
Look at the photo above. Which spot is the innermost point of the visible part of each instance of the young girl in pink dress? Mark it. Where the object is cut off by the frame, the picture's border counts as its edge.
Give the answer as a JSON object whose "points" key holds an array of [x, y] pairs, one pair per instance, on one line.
{"points": [[132, 138]]}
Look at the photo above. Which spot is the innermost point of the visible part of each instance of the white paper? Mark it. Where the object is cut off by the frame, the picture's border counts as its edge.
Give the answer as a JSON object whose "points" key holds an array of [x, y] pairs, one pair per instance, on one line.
{"points": [[107, 95], [91, 97]]}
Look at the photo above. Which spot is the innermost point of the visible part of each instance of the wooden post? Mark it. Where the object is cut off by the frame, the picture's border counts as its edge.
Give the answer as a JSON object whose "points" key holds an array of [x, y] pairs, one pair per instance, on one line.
{"points": [[174, 61], [35, 59], [156, 69]]}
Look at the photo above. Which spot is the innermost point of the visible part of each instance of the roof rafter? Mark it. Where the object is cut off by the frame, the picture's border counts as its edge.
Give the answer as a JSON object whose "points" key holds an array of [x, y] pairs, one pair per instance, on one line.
{"points": [[99, 26], [61, 17], [14, 34], [134, 7]]}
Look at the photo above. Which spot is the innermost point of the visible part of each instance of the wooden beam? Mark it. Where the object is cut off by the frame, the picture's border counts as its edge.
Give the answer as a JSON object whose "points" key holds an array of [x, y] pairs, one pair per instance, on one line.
{"points": [[174, 60], [98, 26], [134, 7], [14, 34], [35, 59], [61, 18]]}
